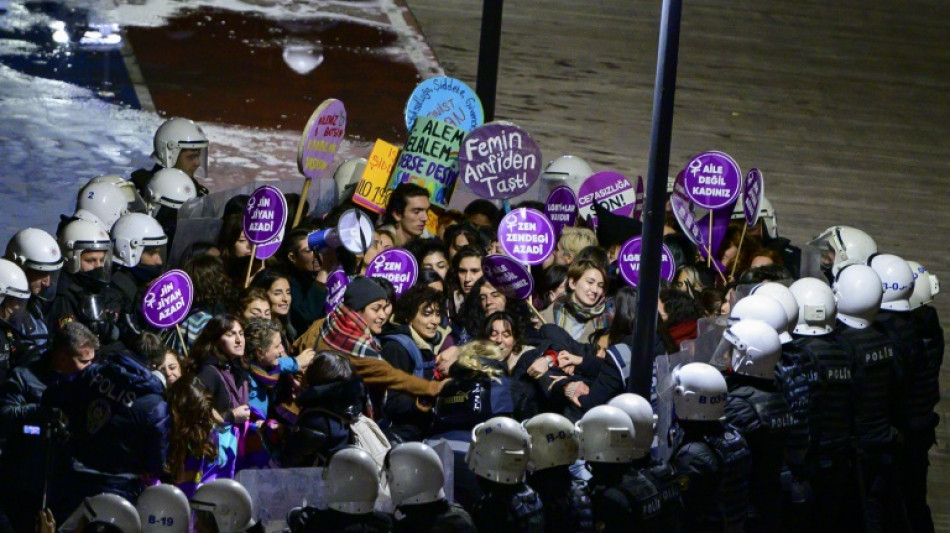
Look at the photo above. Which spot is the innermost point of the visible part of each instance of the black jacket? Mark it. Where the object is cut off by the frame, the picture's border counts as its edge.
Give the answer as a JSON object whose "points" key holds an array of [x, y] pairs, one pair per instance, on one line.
{"points": [[323, 425]]}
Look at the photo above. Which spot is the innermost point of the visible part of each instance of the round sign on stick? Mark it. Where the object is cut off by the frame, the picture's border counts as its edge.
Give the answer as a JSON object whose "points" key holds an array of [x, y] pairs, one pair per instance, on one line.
{"points": [[712, 180], [321, 139], [561, 208], [640, 199], [265, 215], [629, 262], [510, 277], [336, 287], [396, 265], [527, 235], [266, 251], [168, 300], [611, 189], [446, 99], [754, 191], [499, 160]]}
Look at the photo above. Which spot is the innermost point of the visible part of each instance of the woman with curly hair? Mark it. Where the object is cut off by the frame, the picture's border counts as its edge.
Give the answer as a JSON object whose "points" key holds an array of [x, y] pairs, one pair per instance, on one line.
{"points": [[483, 300], [270, 366], [213, 293], [197, 446]]}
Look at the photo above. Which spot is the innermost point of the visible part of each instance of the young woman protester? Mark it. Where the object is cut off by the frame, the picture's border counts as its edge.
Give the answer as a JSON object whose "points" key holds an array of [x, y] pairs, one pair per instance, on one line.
{"points": [[584, 309], [272, 371], [466, 270], [410, 343], [484, 299], [277, 287]]}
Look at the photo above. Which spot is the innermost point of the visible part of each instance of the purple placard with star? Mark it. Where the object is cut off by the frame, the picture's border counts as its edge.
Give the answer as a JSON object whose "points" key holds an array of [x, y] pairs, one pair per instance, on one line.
{"points": [[753, 191], [396, 265], [499, 160], [508, 276], [561, 208], [712, 180], [629, 262], [265, 215], [610, 188], [527, 235], [168, 300]]}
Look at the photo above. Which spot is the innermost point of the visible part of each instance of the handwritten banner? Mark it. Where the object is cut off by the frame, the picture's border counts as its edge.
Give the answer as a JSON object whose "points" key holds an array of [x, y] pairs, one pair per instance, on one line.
{"points": [[446, 99], [499, 160], [372, 191], [430, 159], [321, 138]]}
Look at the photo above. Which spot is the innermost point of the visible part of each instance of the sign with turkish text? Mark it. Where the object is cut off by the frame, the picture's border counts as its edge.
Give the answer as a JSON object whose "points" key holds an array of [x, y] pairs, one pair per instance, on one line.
{"points": [[372, 191], [430, 159], [168, 299], [629, 262], [265, 215], [446, 99], [509, 276], [336, 287], [527, 235], [640, 199], [561, 208], [499, 160], [396, 265], [753, 191], [712, 180], [321, 138], [611, 189]]}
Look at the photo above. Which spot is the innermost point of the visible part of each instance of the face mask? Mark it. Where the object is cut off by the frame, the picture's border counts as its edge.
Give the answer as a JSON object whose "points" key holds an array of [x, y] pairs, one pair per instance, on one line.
{"points": [[146, 273], [93, 280]]}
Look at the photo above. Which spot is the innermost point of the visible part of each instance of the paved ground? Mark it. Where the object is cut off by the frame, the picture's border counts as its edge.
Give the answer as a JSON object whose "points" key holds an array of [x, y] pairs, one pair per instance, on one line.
{"points": [[843, 105]]}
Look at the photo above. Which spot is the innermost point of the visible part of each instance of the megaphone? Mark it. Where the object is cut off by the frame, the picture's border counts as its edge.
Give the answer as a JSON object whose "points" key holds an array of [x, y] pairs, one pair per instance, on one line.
{"points": [[354, 232]]}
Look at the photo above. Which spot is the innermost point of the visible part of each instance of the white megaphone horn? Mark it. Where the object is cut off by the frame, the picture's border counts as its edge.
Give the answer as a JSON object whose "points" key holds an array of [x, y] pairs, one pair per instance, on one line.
{"points": [[354, 232]]}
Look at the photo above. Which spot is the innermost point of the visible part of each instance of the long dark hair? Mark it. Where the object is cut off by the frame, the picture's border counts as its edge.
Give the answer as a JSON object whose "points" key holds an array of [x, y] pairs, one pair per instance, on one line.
{"points": [[453, 275], [625, 315], [192, 421], [472, 317], [206, 346], [517, 328], [213, 287]]}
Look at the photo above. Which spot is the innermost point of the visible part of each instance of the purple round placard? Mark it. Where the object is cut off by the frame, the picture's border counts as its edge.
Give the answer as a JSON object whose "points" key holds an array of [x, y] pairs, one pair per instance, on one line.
{"points": [[396, 265], [640, 199], [508, 276], [499, 160], [754, 190], [321, 139], [336, 287], [266, 251], [167, 300], [712, 180], [610, 188], [629, 262], [527, 235], [264, 215], [561, 208]]}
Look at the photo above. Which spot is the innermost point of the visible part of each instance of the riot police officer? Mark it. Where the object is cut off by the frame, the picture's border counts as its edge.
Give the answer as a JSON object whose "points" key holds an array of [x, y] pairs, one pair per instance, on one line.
{"points": [[38, 254], [711, 457], [554, 447], [761, 414], [181, 144], [414, 473], [222, 505], [498, 456], [352, 485], [14, 294], [876, 380], [138, 244], [81, 293]]}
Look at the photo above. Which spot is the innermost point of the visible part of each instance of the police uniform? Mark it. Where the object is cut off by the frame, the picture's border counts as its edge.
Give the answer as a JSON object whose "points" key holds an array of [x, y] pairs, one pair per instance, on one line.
{"points": [[667, 484], [313, 520], [764, 418], [714, 464], [567, 503], [624, 499], [118, 424], [434, 517], [79, 297], [506, 508]]}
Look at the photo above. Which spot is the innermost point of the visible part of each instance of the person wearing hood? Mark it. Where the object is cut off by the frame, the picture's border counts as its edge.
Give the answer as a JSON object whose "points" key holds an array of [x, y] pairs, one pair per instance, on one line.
{"points": [[584, 309], [353, 328], [410, 343], [118, 424]]}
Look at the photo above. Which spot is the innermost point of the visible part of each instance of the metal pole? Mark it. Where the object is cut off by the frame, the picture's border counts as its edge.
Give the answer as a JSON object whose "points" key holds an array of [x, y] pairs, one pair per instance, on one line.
{"points": [[486, 81], [651, 253]]}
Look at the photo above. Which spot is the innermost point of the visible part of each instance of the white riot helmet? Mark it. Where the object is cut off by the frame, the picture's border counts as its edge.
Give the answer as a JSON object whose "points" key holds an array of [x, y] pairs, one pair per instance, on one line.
{"points": [[80, 236], [228, 502], [499, 451], [566, 170], [348, 174], [124, 185], [766, 215], [352, 481], [644, 420], [104, 200], [764, 308], [699, 392], [170, 187], [554, 441], [841, 246], [858, 294], [114, 510], [782, 295], [816, 307], [414, 474], [897, 280], [175, 135], [606, 435], [755, 348], [34, 249], [132, 234], [89, 216], [163, 509], [926, 285], [13, 281]]}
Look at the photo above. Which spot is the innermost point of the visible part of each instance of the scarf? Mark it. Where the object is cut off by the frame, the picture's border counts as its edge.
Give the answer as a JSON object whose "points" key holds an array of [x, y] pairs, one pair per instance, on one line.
{"points": [[264, 377], [566, 306], [345, 330]]}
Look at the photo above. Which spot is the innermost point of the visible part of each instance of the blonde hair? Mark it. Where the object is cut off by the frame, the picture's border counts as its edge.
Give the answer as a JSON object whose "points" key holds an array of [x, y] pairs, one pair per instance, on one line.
{"points": [[573, 240], [472, 356]]}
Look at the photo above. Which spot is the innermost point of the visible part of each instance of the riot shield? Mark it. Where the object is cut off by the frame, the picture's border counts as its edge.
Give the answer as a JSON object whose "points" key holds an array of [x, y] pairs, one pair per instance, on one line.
{"points": [[811, 263]]}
